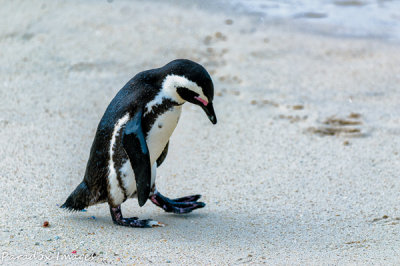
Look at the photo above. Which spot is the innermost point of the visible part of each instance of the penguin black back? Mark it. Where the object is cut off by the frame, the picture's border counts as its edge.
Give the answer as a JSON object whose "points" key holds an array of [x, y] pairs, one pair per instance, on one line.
{"points": [[93, 188]]}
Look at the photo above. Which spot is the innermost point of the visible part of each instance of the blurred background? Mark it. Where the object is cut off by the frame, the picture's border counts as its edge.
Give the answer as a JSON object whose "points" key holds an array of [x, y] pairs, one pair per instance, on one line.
{"points": [[349, 18]]}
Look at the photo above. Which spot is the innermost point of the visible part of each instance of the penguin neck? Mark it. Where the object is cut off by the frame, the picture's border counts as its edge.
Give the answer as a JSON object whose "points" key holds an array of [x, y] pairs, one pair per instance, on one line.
{"points": [[169, 86], [168, 92]]}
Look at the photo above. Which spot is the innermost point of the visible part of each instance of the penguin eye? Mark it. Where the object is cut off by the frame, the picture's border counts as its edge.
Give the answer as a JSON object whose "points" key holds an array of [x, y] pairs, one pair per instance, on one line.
{"points": [[186, 94]]}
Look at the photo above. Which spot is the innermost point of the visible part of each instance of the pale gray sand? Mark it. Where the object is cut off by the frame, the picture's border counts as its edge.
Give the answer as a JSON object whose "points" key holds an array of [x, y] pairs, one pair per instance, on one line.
{"points": [[276, 191]]}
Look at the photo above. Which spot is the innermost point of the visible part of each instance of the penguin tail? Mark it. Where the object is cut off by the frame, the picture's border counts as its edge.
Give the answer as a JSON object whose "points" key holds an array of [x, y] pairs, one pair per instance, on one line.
{"points": [[79, 198]]}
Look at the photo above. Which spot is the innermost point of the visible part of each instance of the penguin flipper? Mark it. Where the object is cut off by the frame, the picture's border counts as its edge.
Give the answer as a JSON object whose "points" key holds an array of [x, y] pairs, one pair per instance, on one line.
{"points": [[135, 145], [164, 153]]}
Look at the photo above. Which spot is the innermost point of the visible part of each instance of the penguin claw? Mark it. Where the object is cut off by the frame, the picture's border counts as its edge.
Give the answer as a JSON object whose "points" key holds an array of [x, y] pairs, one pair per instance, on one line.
{"points": [[156, 224], [180, 205], [117, 218]]}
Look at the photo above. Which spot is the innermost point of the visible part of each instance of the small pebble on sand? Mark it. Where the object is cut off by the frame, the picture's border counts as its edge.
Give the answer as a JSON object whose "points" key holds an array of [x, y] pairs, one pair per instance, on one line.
{"points": [[229, 21]]}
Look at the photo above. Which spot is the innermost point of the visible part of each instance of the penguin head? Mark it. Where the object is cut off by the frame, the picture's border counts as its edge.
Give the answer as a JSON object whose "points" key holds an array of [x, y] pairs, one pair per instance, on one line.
{"points": [[190, 82]]}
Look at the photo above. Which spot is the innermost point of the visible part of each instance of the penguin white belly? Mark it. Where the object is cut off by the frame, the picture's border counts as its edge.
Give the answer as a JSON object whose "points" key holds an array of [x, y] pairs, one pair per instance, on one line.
{"points": [[159, 134], [157, 137], [128, 178]]}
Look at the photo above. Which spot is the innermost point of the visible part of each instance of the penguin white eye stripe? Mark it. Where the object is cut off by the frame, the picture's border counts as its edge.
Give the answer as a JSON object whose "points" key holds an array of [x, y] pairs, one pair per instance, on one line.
{"points": [[171, 82]]}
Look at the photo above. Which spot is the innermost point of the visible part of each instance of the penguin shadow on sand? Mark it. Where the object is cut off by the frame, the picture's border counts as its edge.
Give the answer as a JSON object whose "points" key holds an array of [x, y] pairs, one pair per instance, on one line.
{"points": [[98, 216]]}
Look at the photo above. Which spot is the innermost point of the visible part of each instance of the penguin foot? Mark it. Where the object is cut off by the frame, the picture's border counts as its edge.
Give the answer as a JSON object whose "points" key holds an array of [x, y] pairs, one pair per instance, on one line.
{"points": [[179, 205], [188, 198], [117, 218]]}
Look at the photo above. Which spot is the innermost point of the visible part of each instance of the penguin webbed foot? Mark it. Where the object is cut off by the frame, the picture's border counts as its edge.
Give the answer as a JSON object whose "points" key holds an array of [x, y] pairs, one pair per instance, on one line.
{"points": [[180, 205], [192, 198], [118, 219]]}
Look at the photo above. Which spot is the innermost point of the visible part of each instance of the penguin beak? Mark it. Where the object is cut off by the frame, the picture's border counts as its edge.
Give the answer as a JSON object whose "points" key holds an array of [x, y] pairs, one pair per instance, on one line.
{"points": [[209, 110], [207, 107]]}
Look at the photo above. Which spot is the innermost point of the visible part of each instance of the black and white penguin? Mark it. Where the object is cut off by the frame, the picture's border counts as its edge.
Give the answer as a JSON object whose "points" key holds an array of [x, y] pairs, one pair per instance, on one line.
{"points": [[132, 140]]}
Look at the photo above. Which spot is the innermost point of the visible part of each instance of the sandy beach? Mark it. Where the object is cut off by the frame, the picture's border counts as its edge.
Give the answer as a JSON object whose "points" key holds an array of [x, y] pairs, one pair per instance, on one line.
{"points": [[302, 167]]}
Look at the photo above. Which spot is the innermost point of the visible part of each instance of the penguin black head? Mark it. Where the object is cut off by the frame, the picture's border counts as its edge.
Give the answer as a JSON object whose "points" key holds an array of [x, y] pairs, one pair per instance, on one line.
{"points": [[188, 81]]}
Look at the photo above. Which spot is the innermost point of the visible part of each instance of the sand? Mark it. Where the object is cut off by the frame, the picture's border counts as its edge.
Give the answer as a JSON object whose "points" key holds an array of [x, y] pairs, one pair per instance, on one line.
{"points": [[302, 167]]}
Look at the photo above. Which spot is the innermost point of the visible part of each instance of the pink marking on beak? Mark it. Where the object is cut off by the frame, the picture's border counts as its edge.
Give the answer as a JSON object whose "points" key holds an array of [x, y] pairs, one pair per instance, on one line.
{"points": [[204, 102]]}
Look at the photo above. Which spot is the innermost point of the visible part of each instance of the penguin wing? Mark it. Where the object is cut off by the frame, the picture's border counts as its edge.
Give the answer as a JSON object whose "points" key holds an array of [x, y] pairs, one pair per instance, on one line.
{"points": [[162, 156], [135, 145]]}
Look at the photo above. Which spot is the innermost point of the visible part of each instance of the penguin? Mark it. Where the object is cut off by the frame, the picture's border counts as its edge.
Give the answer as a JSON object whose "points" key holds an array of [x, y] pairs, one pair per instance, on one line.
{"points": [[132, 140]]}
